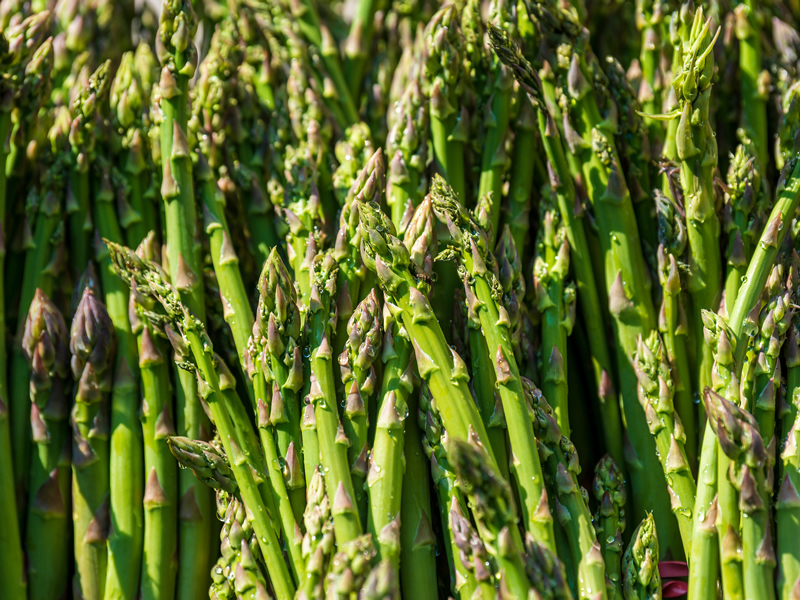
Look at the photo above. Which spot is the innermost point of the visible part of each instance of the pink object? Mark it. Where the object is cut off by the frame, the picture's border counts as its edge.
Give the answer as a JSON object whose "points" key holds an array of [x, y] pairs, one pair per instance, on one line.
{"points": [[674, 589], [673, 568]]}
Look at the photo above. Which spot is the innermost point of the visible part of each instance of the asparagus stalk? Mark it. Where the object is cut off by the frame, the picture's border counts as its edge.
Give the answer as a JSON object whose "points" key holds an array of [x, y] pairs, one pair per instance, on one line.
{"points": [[39, 251], [502, 13], [639, 564], [493, 509], [45, 343], [719, 337], [92, 346], [333, 442], [437, 363], [417, 540], [318, 541], [571, 213], [407, 153], [177, 27], [276, 344], [161, 490], [555, 300], [608, 488], [656, 396], [737, 432], [744, 184], [467, 576], [237, 572], [672, 320], [126, 464], [749, 20], [192, 344], [650, 22], [787, 515], [561, 471], [358, 44], [385, 477], [470, 245], [360, 379], [19, 70], [697, 151]]}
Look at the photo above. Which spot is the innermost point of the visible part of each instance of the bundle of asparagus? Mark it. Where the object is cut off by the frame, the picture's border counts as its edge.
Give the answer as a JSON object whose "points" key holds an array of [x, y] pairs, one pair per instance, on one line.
{"points": [[300, 294]]}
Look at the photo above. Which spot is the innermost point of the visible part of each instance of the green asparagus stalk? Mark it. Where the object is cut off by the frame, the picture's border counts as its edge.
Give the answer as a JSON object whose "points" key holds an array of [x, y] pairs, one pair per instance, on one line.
{"points": [[754, 92], [403, 283], [633, 145], [656, 395], [561, 471], [161, 490], [407, 153], [737, 432], [650, 22], [19, 71], [385, 477], [470, 245], [195, 351], [207, 462], [493, 509], [45, 343], [521, 178], [358, 44], [417, 540], [673, 323], [555, 300], [350, 566], [744, 185], [333, 443], [39, 251], [276, 344], [502, 13], [178, 58], [360, 381], [718, 335], [92, 346], [571, 214], [697, 152], [126, 465], [237, 572], [318, 541], [608, 488], [641, 580]]}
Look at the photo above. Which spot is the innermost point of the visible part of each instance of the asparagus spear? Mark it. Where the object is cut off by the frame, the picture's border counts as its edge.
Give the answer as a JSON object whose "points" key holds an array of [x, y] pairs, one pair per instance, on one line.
{"points": [[192, 345], [333, 442], [45, 343], [438, 365], [608, 488], [650, 22], [407, 153], [493, 509], [360, 379], [571, 213], [385, 477], [178, 58], [749, 20], [656, 395], [20, 71], [126, 463], [318, 541], [417, 540], [358, 44], [787, 517], [207, 462], [470, 575], [561, 471], [161, 490], [237, 573], [641, 579], [555, 300], [274, 358], [737, 432], [469, 244], [92, 346], [38, 251], [672, 320], [697, 152]]}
